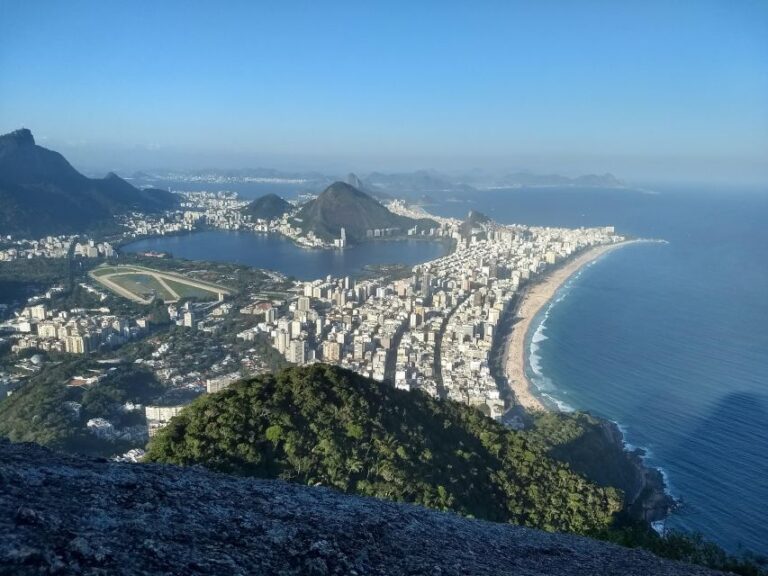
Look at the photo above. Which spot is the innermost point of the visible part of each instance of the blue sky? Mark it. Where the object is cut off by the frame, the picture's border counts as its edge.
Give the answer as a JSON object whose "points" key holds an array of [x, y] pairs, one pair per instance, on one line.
{"points": [[647, 89]]}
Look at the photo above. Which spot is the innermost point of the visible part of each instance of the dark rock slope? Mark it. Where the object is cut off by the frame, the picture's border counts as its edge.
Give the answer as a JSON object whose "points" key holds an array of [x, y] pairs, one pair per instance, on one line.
{"points": [[68, 515]]}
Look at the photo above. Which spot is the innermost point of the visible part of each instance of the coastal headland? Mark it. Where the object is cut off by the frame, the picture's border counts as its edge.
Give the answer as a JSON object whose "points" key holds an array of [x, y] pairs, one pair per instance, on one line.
{"points": [[533, 298], [645, 492]]}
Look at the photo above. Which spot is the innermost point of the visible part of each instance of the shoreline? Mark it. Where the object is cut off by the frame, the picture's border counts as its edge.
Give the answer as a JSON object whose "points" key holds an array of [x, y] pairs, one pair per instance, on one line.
{"points": [[645, 489], [533, 298]]}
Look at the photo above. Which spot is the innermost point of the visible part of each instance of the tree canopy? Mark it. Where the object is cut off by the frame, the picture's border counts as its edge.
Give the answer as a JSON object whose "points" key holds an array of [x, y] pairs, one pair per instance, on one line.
{"points": [[325, 425]]}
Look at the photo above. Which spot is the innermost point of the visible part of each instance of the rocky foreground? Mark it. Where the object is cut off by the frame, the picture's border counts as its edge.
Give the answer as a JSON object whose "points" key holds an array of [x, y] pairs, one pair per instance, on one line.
{"points": [[68, 515]]}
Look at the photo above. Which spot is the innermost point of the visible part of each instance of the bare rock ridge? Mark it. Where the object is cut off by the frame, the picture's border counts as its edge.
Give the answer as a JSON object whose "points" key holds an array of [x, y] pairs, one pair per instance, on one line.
{"points": [[71, 515]]}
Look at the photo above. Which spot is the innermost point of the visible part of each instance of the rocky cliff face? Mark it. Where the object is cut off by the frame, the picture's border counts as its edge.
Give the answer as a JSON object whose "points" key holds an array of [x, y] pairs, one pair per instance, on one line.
{"points": [[68, 515]]}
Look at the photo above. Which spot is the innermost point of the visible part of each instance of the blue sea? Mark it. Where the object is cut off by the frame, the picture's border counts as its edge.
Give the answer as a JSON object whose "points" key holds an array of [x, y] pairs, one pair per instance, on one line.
{"points": [[668, 340]]}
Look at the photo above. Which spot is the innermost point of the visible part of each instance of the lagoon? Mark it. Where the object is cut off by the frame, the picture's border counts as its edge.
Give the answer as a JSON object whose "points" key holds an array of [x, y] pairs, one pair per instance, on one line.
{"points": [[275, 252]]}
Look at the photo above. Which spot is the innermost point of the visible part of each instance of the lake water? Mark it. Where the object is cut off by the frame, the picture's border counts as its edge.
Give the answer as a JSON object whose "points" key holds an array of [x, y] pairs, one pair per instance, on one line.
{"points": [[670, 341], [275, 252]]}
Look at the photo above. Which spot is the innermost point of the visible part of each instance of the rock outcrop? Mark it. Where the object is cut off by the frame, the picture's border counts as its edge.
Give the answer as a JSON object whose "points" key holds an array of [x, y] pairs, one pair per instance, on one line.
{"points": [[71, 515]]}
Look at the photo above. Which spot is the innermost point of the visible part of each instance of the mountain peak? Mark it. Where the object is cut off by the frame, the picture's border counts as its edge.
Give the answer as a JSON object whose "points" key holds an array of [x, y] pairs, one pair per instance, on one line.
{"points": [[42, 193], [342, 205], [340, 187], [268, 207], [353, 180], [17, 139]]}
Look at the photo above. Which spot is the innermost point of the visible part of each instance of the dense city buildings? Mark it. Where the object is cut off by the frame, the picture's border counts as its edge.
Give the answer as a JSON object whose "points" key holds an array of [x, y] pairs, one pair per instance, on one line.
{"points": [[434, 330]]}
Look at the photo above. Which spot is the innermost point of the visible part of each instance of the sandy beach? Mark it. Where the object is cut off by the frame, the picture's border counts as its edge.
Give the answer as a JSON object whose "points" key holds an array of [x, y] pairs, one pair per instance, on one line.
{"points": [[534, 297]]}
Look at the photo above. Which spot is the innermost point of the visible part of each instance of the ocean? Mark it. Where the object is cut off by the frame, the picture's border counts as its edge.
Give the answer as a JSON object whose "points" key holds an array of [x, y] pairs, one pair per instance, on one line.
{"points": [[668, 340]]}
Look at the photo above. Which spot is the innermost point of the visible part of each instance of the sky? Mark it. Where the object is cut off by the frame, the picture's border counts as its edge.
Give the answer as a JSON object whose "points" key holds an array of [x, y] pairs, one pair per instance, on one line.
{"points": [[646, 90]]}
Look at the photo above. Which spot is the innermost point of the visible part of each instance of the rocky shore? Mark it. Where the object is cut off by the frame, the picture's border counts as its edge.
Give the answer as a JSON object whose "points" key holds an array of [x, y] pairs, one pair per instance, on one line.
{"points": [[644, 488], [71, 515]]}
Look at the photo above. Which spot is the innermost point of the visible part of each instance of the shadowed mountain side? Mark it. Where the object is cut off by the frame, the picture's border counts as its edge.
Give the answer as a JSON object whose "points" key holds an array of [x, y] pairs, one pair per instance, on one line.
{"points": [[341, 205], [268, 207], [41, 193], [139, 519]]}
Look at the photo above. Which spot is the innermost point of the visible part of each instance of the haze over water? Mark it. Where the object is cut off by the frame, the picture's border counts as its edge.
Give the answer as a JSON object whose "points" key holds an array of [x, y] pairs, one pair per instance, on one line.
{"points": [[671, 341]]}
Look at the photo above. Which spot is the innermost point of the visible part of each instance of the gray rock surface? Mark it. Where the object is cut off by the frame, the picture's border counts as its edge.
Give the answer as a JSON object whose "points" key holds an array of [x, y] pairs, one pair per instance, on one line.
{"points": [[69, 515]]}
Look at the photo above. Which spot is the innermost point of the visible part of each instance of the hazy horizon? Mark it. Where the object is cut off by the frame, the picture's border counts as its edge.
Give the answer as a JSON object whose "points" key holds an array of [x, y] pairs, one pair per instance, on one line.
{"points": [[648, 92]]}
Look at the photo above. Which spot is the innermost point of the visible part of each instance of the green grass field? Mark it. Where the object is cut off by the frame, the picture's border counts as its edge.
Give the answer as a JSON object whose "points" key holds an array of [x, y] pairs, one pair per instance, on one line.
{"points": [[104, 270], [142, 285], [189, 291], [145, 283]]}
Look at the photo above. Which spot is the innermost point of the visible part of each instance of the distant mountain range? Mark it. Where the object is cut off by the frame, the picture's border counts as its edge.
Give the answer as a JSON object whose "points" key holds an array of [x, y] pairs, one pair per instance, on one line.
{"points": [[585, 181], [420, 181], [342, 205], [41, 193], [422, 186], [268, 207]]}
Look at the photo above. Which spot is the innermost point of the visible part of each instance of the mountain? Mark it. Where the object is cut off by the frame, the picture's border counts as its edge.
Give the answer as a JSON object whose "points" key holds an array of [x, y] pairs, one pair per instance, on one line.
{"points": [[585, 181], [325, 425], [475, 221], [371, 190], [420, 181], [75, 515], [41, 193], [354, 181], [341, 205], [268, 207]]}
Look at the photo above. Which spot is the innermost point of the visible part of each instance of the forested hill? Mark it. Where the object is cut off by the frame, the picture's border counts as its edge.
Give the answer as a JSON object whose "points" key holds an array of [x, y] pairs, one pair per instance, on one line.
{"points": [[268, 207], [341, 205], [41, 193], [329, 426]]}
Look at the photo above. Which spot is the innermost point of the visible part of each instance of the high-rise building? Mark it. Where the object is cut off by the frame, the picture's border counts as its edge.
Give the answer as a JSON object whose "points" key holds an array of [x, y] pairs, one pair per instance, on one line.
{"points": [[37, 312], [189, 319], [77, 344], [296, 352], [426, 283], [331, 351]]}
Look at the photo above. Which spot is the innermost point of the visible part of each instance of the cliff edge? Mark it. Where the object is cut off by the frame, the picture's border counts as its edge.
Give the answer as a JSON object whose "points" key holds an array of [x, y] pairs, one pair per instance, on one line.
{"points": [[72, 515]]}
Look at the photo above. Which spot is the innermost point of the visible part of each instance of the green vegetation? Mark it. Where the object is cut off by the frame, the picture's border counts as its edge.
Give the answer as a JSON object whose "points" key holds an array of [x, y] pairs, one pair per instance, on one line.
{"points": [[41, 410], [41, 193], [238, 278], [343, 205], [685, 547], [268, 207], [189, 291], [20, 279], [144, 283], [322, 424]]}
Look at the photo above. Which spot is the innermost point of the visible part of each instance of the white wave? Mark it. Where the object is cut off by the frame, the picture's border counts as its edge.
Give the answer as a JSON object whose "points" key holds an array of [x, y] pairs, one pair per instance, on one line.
{"points": [[534, 360], [561, 405], [668, 488], [647, 458], [539, 335]]}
